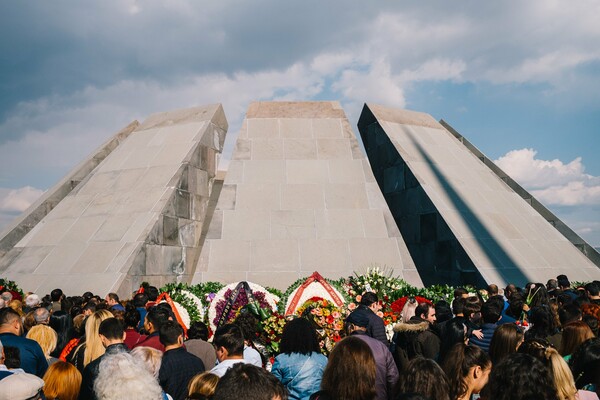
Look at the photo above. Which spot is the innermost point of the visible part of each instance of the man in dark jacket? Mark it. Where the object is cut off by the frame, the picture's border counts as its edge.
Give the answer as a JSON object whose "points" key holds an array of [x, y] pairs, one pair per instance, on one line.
{"points": [[386, 374], [178, 366], [33, 360], [112, 335], [490, 312], [368, 307]]}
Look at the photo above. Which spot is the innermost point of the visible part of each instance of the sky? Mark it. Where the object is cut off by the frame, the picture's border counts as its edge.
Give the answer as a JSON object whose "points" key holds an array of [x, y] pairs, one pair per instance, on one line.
{"points": [[520, 80]]}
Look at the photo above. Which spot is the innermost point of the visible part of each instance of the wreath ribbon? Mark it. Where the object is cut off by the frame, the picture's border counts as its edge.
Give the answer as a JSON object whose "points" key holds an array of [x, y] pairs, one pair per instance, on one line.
{"points": [[232, 299], [315, 277], [165, 296]]}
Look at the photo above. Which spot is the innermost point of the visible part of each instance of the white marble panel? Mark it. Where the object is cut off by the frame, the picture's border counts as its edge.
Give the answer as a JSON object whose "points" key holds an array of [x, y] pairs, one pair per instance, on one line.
{"points": [[48, 233], [307, 171], [293, 224], [366, 252], [300, 149], [275, 255], [333, 224], [374, 224], [141, 157], [222, 258], [333, 149], [96, 257], [61, 259], [346, 171], [235, 172], [263, 128], [324, 254], [267, 149], [327, 128], [258, 196], [340, 195], [302, 196], [296, 128], [264, 171], [246, 224]]}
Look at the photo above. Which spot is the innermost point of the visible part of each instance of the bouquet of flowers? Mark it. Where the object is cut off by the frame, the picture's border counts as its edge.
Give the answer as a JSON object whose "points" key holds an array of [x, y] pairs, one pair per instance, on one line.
{"points": [[272, 329], [375, 280], [313, 286], [327, 319]]}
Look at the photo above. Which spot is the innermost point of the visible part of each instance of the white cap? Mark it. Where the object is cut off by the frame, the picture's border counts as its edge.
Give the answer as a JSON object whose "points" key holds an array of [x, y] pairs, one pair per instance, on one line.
{"points": [[20, 386]]}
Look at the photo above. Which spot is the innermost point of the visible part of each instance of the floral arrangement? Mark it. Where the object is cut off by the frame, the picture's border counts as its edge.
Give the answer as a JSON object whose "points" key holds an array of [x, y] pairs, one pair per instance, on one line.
{"points": [[327, 319], [376, 280], [265, 299], [311, 287], [185, 299], [272, 329], [11, 286]]}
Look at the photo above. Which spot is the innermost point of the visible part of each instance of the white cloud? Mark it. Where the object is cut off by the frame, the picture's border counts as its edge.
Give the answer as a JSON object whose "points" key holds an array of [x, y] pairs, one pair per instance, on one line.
{"points": [[18, 200], [552, 181]]}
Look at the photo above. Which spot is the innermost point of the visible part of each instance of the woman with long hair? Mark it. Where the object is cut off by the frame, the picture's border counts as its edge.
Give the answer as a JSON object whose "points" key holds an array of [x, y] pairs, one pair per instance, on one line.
{"points": [[350, 372], [455, 331], [90, 346], [425, 377], [585, 365], [574, 333], [543, 325], [506, 340], [62, 324], [62, 381], [202, 386], [300, 365], [467, 369], [46, 338]]}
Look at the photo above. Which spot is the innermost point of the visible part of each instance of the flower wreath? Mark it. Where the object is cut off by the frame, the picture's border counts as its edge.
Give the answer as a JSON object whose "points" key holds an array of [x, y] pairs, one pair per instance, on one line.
{"points": [[313, 286]]}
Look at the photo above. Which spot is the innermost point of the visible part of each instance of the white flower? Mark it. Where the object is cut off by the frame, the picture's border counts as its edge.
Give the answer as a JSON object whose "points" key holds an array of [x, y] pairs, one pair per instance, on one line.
{"points": [[183, 313]]}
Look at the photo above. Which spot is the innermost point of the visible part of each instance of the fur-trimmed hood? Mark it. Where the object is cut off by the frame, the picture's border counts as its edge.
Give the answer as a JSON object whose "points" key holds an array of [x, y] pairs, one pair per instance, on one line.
{"points": [[411, 326]]}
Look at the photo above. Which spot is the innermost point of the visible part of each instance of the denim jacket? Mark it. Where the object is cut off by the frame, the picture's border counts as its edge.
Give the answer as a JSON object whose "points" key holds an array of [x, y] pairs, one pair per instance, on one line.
{"points": [[300, 374]]}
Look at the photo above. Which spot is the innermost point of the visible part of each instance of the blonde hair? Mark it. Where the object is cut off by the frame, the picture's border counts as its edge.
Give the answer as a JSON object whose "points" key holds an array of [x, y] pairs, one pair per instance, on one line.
{"points": [[150, 357], [93, 345], [62, 381], [563, 377], [202, 386], [45, 336], [17, 306]]}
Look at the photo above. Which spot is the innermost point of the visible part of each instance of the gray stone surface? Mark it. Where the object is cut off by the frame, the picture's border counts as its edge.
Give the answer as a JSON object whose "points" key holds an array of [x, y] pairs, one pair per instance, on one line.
{"points": [[462, 223], [299, 197], [136, 214]]}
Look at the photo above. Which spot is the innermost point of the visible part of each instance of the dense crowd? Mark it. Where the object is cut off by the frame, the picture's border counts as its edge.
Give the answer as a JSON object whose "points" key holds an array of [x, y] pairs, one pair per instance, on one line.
{"points": [[536, 342]]}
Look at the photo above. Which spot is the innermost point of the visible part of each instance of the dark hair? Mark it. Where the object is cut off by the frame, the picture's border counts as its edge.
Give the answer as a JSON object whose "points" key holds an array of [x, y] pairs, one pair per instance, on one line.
{"points": [[457, 364], [113, 296], [157, 316], [459, 292], [520, 377], [198, 330], [230, 337], [87, 296], [504, 342], [423, 309], [140, 299], [573, 335], [152, 293], [585, 363], [490, 312], [542, 320], [515, 305], [248, 324], [7, 315], [111, 328], [442, 311], [592, 322], [472, 306], [592, 288], [299, 336], [249, 382], [424, 376], [368, 298], [90, 306], [350, 371], [539, 294], [563, 281], [56, 294], [12, 357], [569, 313], [131, 318], [62, 323], [170, 332], [458, 305], [454, 332], [492, 289], [411, 396]]}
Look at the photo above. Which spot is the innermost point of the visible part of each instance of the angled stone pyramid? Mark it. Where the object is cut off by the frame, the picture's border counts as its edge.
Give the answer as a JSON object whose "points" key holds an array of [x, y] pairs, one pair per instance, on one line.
{"points": [[460, 219], [131, 212], [299, 197]]}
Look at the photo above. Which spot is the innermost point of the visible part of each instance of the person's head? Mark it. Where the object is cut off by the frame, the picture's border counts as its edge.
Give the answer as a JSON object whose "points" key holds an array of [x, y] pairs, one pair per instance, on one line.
{"points": [[112, 299], [2, 303], [509, 290], [520, 377], [491, 312], [559, 370], [574, 334], [248, 324], [426, 377], [198, 330], [592, 321], [152, 293], [458, 306], [551, 285], [247, 381], [299, 336], [150, 357], [140, 300], [351, 357], [45, 336], [131, 318], [62, 381], [467, 369], [563, 282], [94, 346], [21, 386], [569, 313], [122, 377], [33, 300], [171, 334], [537, 294], [356, 321], [426, 312], [460, 292], [202, 386], [472, 307], [442, 311], [228, 342], [111, 331], [370, 299], [41, 316], [585, 364], [455, 331], [515, 304], [155, 318], [89, 309], [542, 322], [10, 321], [7, 297], [506, 340], [56, 295], [492, 289]]}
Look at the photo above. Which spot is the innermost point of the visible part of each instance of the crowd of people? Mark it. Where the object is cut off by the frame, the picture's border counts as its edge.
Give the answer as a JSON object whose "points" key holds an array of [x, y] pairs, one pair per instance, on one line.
{"points": [[536, 342]]}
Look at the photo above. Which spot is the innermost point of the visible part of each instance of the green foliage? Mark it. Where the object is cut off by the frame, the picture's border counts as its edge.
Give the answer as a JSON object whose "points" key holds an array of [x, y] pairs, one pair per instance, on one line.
{"points": [[5, 285]]}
